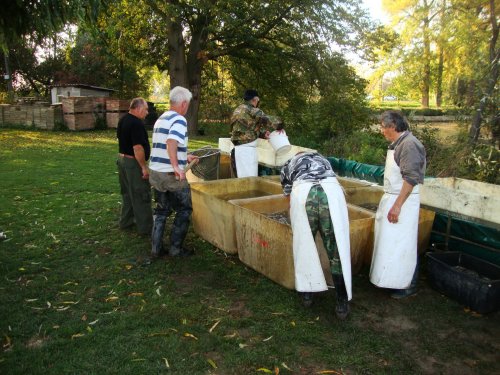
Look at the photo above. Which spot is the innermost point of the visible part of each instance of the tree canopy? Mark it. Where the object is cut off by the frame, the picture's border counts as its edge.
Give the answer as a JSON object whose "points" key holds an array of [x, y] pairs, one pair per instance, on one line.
{"points": [[279, 47]]}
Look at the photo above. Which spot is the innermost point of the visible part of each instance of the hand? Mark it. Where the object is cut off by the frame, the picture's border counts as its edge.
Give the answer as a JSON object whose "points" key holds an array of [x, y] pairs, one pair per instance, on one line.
{"points": [[179, 174], [393, 215], [190, 158], [266, 134], [145, 173]]}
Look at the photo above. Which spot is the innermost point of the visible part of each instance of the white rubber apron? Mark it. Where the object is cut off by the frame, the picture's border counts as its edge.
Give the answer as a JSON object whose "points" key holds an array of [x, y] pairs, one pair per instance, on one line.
{"points": [[395, 248], [247, 162], [309, 275]]}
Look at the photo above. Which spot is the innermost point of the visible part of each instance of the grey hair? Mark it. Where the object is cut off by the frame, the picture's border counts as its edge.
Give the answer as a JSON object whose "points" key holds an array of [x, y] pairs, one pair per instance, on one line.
{"points": [[394, 119], [137, 103], [180, 94]]}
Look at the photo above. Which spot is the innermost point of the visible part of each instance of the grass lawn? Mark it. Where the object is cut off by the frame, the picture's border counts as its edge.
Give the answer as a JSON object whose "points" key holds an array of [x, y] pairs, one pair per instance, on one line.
{"points": [[77, 295]]}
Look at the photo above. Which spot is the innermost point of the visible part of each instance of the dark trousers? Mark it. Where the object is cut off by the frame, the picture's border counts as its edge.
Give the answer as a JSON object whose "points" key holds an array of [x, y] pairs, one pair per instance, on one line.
{"points": [[233, 164], [166, 202], [136, 196]]}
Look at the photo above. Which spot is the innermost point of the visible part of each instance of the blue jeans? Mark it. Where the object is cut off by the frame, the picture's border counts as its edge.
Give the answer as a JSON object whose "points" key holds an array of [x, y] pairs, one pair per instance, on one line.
{"points": [[166, 202]]}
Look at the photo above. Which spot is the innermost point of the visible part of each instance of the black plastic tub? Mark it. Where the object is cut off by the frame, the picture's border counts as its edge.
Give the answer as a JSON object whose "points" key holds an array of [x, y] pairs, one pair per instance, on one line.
{"points": [[471, 281]]}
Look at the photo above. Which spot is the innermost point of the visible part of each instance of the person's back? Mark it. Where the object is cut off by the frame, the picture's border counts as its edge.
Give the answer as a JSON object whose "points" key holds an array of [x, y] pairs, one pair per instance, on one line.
{"points": [[173, 124], [246, 123]]}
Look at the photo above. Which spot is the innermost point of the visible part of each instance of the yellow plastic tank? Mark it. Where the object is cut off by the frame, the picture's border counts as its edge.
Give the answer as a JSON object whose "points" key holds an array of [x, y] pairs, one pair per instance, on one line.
{"points": [[369, 198], [265, 244], [213, 215]]}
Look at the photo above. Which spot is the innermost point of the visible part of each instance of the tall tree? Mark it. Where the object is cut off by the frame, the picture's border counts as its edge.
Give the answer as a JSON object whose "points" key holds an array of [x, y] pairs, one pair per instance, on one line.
{"points": [[182, 36], [35, 20], [488, 104], [415, 20]]}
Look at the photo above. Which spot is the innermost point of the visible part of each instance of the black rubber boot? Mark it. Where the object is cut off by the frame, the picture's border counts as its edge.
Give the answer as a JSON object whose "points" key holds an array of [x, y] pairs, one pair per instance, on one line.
{"points": [[342, 308], [307, 298], [157, 236], [411, 290]]}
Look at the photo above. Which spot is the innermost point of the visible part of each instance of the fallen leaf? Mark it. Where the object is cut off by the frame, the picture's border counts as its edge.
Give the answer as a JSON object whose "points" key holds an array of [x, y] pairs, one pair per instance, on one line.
{"points": [[71, 302], [67, 292], [292, 323], [84, 317], [167, 365], [329, 372], [113, 298], [187, 334], [128, 267], [158, 291], [241, 345], [31, 300], [62, 308], [269, 338], [49, 304], [276, 370], [138, 359], [77, 335], [8, 341], [285, 366], [266, 370], [215, 325], [136, 294], [89, 328], [94, 322], [212, 363]]}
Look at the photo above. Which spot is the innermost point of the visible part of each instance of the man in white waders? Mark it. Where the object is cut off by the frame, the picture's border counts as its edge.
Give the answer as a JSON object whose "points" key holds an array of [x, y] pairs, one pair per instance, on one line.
{"points": [[317, 202], [394, 263]]}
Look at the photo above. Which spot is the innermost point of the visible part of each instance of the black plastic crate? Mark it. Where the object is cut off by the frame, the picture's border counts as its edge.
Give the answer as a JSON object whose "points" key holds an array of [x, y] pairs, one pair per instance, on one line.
{"points": [[471, 281]]}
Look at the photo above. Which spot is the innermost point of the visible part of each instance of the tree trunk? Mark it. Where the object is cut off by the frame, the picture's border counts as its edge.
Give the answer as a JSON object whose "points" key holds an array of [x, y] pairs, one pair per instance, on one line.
{"points": [[185, 70], [439, 79], [177, 61], [177, 53], [488, 100], [441, 48], [426, 76], [196, 58]]}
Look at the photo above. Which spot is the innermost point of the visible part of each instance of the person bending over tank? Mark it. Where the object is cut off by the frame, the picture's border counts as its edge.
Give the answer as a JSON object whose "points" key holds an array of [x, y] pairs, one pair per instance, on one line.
{"points": [[317, 203]]}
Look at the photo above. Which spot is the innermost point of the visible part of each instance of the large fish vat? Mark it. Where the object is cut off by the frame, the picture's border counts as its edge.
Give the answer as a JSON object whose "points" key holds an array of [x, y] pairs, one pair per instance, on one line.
{"points": [[369, 198], [465, 199], [344, 182], [213, 215], [265, 244]]}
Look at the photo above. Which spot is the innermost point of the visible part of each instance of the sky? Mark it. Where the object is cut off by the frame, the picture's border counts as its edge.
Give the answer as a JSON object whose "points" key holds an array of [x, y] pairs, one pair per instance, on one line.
{"points": [[375, 8]]}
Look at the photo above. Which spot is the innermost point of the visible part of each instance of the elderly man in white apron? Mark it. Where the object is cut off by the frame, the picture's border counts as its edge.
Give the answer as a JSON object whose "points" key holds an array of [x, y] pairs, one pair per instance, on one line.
{"points": [[248, 123], [317, 203], [394, 264]]}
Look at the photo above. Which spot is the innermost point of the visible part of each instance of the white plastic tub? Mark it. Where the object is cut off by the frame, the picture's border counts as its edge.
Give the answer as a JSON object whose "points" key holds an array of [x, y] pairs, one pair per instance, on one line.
{"points": [[280, 143]]}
